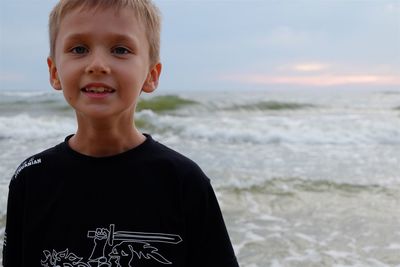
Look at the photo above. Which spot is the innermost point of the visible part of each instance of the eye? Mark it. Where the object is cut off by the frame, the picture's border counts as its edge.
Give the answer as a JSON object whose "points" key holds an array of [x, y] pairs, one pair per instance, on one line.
{"points": [[120, 50], [79, 50]]}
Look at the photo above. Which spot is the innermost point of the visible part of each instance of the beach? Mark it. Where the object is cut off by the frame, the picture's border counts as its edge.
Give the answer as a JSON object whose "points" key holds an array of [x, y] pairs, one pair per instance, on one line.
{"points": [[304, 177]]}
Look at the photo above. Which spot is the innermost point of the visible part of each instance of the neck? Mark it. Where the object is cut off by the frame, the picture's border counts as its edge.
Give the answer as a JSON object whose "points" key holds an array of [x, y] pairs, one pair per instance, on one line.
{"points": [[99, 139]]}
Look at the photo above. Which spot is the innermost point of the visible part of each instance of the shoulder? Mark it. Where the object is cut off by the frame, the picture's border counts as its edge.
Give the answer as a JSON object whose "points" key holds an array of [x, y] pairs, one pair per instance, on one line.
{"points": [[187, 170], [37, 161]]}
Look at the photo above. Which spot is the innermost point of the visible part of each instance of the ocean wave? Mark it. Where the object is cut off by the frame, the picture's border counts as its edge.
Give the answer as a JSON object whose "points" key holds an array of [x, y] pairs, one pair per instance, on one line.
{"points": [[389, 93], [270, 105], [163, 103], [34, 103], [293, 185], [28, 127], [25, 94], [226, 121], [240, 128], [221, 129], [47, 103]]}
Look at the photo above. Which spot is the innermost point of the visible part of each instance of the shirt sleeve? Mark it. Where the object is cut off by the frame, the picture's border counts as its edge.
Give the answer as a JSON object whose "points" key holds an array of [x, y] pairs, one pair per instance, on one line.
{"points": [[209, 243], [12, 247]]}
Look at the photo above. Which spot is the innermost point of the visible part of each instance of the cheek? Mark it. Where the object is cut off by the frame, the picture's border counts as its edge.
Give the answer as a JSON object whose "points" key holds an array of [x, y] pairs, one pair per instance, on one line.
{"points": [[68, 97], [68, 74]]}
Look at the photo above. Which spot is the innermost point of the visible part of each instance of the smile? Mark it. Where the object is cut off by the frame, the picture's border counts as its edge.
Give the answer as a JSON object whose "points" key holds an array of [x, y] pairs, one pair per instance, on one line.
{"points": [[97, 90]]}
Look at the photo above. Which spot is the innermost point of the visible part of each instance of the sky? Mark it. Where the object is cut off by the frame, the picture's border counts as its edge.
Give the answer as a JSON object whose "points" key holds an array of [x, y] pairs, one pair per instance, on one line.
{"points": [[236, 44]]}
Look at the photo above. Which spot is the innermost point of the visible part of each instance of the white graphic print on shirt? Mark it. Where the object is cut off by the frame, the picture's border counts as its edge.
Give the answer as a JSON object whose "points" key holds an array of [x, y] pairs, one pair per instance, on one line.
{"points": [[114, 249]]}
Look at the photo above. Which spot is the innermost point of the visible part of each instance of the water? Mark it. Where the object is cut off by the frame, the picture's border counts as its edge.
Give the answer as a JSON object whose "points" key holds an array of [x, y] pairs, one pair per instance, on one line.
{"points": [[304, 178]]}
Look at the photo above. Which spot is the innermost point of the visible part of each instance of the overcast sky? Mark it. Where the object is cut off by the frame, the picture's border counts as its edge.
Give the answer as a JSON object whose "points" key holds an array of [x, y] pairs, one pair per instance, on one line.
{"points": [[236, 44]]}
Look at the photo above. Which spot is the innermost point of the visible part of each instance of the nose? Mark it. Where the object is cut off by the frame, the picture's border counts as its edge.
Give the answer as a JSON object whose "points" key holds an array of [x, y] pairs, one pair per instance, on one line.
{"points": [[97, 64]]}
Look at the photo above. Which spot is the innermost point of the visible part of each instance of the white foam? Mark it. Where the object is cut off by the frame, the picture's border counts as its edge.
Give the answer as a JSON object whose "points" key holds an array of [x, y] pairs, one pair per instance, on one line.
{"points": [[338, 254], [275, 263], [25, 94], [254, 237], [314, 129], [306, 237], [267, 217], [394, 246], [26, 127]]}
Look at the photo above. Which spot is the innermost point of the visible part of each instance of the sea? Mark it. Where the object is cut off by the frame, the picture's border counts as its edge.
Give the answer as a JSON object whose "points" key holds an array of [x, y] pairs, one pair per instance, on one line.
{"points": [[307, 177]]}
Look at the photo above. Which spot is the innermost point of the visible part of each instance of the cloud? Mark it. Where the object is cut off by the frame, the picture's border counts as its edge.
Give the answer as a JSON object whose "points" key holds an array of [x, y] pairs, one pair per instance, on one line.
{"points": [[305, 67], [314, 80], [310, 67], [320, 74]]}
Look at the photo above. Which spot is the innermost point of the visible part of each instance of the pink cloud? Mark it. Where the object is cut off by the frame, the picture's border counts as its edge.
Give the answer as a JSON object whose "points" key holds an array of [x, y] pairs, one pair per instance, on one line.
{"points": [[304, 67]]}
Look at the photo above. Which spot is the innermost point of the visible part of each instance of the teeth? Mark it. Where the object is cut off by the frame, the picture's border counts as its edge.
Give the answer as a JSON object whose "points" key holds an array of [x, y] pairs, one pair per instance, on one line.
{"points": [[98, 90]]}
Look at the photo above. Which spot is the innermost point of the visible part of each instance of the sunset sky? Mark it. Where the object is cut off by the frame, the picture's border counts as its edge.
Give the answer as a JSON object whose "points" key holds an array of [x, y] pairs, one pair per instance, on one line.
{"points": [[236, 44]]}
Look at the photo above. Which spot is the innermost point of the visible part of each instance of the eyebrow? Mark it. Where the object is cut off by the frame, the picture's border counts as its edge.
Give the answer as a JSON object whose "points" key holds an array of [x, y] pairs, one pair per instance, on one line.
{"points": [[114, 36]]}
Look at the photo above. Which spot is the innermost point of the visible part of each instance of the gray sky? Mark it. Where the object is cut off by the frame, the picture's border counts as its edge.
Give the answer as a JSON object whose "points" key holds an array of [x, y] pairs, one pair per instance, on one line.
{"points": [[236, 44]]}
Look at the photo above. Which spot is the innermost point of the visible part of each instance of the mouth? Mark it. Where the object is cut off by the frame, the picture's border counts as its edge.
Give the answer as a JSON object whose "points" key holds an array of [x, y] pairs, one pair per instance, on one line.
{"points": [[97, 89]]}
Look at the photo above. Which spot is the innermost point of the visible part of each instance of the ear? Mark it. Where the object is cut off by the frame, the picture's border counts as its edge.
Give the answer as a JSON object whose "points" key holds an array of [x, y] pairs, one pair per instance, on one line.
{"points": [[53, 74], [152, 79]]}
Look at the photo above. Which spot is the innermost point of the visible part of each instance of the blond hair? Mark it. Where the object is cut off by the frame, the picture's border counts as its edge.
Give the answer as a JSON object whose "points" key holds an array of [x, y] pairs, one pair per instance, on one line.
{"points": [[145, 10]]}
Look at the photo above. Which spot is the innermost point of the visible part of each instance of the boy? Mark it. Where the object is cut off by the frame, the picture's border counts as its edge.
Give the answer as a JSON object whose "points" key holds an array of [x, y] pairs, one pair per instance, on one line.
{"points": [[109, 195]]}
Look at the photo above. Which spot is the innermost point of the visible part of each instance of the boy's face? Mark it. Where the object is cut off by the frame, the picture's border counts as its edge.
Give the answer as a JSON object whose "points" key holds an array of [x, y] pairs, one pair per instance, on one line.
{"points": [[102, 62]]}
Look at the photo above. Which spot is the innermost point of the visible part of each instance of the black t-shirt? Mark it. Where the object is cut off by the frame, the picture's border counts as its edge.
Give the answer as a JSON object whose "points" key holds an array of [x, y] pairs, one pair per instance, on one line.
{"points": [[149, 206]]}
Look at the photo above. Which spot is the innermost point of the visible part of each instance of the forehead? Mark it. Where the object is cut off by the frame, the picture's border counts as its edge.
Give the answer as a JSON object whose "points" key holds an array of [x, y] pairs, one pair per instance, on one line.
{"points": [[101, 21]]}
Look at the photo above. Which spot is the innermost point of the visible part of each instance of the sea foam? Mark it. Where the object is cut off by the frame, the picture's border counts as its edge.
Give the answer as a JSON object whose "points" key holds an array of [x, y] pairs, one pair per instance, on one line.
{"points": [[26, 127]]}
